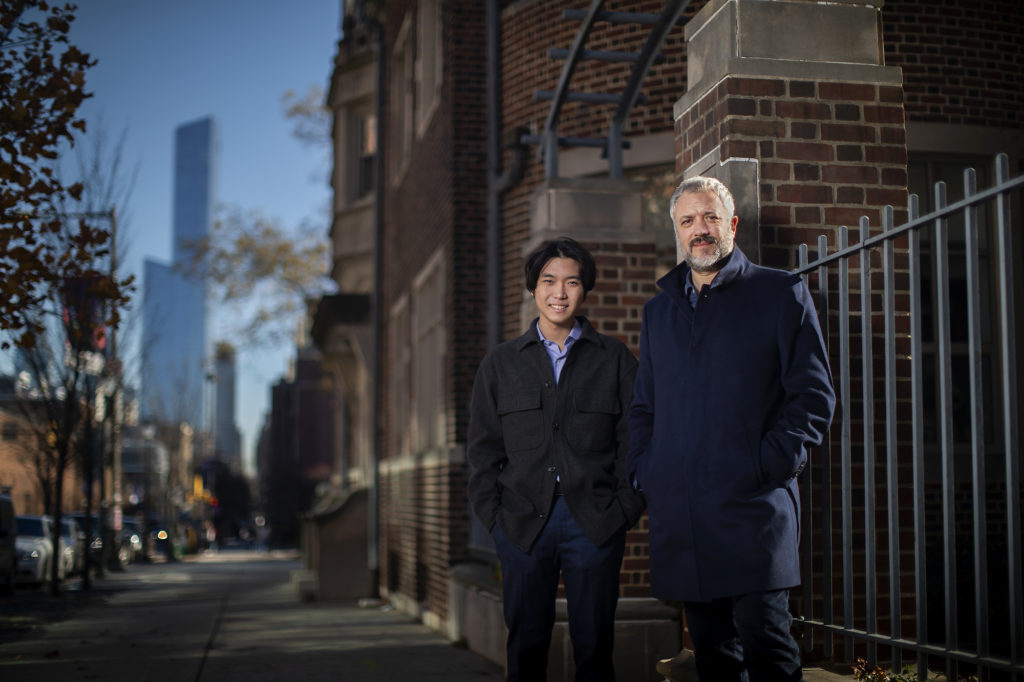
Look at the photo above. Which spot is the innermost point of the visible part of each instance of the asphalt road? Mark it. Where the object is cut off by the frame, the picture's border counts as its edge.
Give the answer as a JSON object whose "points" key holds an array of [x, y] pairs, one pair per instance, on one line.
{"points": [[223, 617]]}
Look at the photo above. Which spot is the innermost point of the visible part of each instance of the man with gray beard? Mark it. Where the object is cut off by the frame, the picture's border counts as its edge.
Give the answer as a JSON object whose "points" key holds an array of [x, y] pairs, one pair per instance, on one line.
{"points": [[732, 387]]}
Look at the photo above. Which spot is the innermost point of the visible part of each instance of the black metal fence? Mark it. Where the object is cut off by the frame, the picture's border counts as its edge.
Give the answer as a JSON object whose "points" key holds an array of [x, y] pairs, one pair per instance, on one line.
{"points": [[911, 521]]}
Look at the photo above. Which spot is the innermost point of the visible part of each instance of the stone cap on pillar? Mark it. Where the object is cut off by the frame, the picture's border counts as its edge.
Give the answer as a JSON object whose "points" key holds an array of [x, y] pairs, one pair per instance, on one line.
{"points": [[588, 210], [839, 40]]}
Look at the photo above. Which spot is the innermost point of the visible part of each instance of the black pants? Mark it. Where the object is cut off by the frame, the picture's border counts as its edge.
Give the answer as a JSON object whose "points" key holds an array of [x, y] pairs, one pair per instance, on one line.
{"points": [[744, 638], [529, 586]]}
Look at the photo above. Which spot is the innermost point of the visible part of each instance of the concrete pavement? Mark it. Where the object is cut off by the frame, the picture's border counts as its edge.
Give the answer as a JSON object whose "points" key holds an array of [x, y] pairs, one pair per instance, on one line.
{"points": [[233, 615], [229, 616]]}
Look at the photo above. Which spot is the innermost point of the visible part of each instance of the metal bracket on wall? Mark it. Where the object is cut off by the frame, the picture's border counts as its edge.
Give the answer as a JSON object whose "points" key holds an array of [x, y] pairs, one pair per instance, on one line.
{"points": [[548, 141]]}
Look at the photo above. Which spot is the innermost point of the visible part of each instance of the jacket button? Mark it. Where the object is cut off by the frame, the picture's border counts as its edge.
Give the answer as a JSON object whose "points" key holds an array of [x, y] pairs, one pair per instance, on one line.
{"points": [[551, 468], [555, 427], [547, 384], [540, 516]]}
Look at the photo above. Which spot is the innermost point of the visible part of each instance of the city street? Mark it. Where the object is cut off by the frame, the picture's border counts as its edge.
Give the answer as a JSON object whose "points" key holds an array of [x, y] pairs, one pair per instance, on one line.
{"points": [[233, 615]]}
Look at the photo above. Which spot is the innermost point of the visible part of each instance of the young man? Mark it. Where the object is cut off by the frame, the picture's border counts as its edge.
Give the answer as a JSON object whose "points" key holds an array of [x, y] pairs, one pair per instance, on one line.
{"points": [[547, 452], [732, 388]]}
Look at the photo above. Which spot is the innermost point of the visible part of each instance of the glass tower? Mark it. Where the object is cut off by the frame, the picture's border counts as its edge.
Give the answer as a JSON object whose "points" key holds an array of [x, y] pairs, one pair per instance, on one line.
{"points": [[175, 350]]}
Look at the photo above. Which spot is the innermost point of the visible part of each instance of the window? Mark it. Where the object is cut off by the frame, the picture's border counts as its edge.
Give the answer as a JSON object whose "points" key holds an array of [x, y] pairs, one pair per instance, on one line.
{"points": [[399, 363], [429, 61], [364, 152], [401, 101], [429, 354]]}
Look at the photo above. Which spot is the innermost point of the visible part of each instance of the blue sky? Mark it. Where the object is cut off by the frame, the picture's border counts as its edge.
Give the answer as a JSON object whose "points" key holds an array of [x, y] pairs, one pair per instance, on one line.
{"points": [[167, 62]]}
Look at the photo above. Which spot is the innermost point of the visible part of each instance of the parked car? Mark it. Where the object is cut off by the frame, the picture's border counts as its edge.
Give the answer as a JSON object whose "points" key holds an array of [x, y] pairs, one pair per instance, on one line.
{"points": [[8, 554], [159, 546], [35, 549], [130, 544], [72, 546], [94, 542]]}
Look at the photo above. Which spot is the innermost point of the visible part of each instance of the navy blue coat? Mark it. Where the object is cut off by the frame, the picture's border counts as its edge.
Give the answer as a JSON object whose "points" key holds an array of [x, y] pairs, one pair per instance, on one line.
{"points": [[728, 397]]}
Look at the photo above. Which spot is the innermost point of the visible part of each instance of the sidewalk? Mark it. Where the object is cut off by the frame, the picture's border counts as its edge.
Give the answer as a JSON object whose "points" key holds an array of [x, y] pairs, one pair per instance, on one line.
{"points": [[224, 618], [229, 616]]}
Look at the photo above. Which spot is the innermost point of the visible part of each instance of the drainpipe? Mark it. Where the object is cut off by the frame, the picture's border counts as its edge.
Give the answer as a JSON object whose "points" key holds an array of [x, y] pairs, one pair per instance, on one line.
{"points": [[373, 522], [498, 182]]}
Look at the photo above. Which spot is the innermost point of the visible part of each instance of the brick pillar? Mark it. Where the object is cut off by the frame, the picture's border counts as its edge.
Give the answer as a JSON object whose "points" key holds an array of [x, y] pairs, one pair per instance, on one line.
{"points": [[809, 132]]}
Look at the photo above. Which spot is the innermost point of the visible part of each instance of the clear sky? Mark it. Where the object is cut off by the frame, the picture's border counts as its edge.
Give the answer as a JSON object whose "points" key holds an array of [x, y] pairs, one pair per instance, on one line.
{"points": [[162, 63]]}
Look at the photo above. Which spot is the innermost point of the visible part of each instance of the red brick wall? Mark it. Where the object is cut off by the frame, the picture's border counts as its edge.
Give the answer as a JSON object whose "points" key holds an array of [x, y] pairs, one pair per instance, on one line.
{"points": [[439, 201], [961, 60], [828, 153]]}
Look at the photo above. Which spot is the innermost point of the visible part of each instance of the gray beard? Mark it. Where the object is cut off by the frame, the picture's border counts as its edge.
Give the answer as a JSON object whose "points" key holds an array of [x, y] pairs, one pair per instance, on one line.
{"points": [[709, 263]]}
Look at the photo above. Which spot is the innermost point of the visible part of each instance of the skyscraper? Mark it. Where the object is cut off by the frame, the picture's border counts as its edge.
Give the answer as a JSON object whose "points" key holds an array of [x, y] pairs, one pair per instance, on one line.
{"points": [[175, 352], [227, 444]]}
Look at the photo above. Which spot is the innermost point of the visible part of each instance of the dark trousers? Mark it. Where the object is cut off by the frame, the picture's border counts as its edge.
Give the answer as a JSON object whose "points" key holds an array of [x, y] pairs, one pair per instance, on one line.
{"points": [[529, 585], [744, 638]]}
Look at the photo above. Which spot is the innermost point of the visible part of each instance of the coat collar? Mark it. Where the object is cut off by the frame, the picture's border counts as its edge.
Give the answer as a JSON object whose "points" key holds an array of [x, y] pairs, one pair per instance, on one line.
{"points": [[674, 282], [587, 333]]}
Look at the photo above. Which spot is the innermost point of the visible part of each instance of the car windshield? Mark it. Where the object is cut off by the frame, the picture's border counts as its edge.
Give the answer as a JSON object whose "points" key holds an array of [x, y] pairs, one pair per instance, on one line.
{"points": [[30, 527], [65, 529]]}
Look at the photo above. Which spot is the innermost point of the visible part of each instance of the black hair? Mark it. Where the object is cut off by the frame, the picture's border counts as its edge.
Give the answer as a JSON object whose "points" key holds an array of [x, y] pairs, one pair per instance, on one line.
{"points": [[563, 247]]}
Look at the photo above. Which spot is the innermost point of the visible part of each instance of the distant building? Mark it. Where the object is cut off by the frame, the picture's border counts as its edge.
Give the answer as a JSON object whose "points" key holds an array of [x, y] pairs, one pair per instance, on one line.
{"points": [[297, 451], [227, 442], [175, 354]]}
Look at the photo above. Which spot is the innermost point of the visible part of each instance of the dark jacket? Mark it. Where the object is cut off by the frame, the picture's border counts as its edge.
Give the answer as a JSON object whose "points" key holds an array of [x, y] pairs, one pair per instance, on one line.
{"points": [[524, 431], [728, 398]]}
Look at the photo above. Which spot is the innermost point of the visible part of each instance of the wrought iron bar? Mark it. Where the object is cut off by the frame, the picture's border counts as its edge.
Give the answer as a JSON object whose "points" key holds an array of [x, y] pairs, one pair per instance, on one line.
{"points": [[846, 456], [891, 432], [917, 430], [1011, 438], [945, 420], [971, 245], [601, 55], [616, 17], [826, 469], [806, 515], [570, 141], [631, 93], [549, 134], [588, 97], [867, 380]]}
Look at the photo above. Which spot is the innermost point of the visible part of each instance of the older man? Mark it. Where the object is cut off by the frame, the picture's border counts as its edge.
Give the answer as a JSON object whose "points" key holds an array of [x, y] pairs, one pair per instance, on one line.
{"points": [[732, 387]]}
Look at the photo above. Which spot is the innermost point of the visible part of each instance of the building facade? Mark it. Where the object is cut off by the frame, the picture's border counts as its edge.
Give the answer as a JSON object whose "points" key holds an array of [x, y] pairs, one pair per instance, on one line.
{"points": [[443, 179]]}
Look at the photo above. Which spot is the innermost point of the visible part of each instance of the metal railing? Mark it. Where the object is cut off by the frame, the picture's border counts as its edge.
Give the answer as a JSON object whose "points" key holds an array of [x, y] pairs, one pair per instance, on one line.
{"points": [[951, 455]]}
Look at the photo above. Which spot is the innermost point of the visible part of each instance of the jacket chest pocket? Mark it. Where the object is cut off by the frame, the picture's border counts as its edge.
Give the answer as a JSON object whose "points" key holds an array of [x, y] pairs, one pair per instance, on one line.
{"points": [[522, 419], [595, 416]]}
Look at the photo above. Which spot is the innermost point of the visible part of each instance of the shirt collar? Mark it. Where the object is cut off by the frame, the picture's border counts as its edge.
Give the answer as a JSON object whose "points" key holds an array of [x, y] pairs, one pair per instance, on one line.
{"points": [[574, 333]]}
